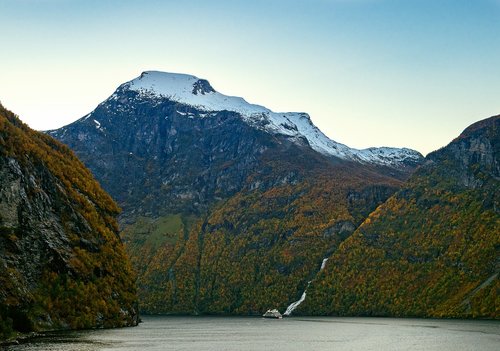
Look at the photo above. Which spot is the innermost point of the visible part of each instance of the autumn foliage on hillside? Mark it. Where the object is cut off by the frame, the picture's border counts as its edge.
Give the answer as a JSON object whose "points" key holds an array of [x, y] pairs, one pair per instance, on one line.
{"points": [[258, 248], [433, 249], [62, 262]]}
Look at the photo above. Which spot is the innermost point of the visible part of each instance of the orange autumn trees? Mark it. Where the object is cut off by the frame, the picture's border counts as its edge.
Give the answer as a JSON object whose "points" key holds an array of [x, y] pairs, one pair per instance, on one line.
{"points": [[63, 264], [433, 248]]}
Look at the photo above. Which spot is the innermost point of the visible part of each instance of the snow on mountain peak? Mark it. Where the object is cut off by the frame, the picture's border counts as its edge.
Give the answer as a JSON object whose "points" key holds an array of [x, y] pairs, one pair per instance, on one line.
{"points": [[191, 90], [170, 84]]}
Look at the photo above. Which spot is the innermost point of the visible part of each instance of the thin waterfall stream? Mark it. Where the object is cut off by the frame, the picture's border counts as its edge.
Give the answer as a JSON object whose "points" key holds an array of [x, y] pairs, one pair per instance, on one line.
{"points": [[296, 304]]}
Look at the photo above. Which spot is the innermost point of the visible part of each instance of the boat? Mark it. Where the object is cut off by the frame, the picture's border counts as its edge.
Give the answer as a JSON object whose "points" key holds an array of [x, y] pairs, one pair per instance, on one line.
{"points": [[272, 314]]}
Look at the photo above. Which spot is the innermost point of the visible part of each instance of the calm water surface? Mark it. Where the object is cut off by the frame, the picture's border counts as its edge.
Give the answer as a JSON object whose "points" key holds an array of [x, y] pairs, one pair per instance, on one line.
{"points": [[295, 333]]}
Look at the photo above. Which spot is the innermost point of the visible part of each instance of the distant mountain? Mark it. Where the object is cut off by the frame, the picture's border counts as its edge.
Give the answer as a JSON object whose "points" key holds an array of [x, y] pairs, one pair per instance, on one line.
{"points": [[62, 264], [433, 248], [193, 92], [228, 207]]}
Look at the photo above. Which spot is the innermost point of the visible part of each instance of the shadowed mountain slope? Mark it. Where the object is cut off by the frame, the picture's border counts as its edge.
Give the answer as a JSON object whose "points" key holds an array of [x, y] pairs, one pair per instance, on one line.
{"points": [[62, 263]]}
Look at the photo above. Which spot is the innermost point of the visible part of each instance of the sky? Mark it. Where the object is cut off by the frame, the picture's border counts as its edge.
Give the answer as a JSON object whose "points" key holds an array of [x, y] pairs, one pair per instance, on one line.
{"points": [[403, 73]]}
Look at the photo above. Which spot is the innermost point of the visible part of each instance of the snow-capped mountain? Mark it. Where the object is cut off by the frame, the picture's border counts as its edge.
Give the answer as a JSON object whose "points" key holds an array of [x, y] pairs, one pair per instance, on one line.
{"points": [[217, 191], [179, 127], [193, 91], [228, 207]]}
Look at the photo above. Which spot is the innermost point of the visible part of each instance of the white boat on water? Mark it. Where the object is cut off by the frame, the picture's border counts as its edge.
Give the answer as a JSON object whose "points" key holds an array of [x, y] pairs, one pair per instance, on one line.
{"points": [[272, 314]]}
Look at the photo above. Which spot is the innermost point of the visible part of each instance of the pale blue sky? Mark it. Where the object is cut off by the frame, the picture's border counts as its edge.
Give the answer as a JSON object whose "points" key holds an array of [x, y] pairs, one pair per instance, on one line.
{"points": [[409, 73]]}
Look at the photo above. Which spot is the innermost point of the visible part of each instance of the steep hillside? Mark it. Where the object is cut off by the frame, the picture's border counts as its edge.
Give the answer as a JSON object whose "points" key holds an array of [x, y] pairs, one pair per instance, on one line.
{"points": [[228, 207], [258, 247], [433, 249], [62, 264]]}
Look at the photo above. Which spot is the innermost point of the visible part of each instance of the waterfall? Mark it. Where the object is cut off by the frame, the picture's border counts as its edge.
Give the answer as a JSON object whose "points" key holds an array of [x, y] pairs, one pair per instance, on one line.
{"points": [[296, 304], [323, 264]]}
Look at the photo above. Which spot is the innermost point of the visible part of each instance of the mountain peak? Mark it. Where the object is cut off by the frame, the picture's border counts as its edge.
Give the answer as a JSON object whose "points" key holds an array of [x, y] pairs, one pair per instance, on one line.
{"points": [[190, 90], [170, 84], [483, 124]]}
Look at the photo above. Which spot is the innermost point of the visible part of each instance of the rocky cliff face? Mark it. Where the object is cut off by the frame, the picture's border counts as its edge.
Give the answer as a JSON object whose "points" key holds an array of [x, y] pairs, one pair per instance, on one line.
{"points": [[472, 158], [151, 157], [187, 146], [227, 207], [62, 264], [433, 249]]}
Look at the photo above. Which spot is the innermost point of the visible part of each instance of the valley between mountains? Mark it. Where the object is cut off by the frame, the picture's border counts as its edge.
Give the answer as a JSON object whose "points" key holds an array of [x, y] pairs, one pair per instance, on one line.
{"points": [[230, 208]]}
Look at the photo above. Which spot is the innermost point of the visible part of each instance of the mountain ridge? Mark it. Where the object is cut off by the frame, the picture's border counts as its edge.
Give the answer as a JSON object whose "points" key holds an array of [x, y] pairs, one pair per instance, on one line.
{"points": [[226, 215], [203, 191], [198, 93]]}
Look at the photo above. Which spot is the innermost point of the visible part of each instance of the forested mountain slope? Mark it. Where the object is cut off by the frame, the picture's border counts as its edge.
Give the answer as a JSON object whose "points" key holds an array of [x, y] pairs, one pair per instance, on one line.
{"points": [[228, 207], [62, 263], [433, 248]]}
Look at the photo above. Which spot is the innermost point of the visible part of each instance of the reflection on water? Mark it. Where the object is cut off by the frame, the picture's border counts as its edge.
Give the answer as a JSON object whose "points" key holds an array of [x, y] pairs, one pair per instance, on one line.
{"points": [[247, 333]]}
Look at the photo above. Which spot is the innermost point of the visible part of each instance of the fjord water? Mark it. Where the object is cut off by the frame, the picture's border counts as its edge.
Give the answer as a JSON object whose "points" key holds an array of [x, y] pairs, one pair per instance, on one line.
{"points": [[295, 333]]}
